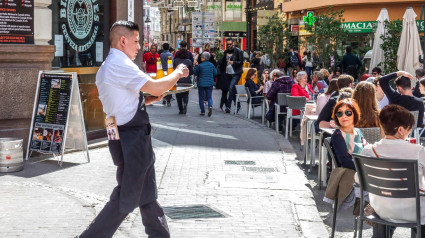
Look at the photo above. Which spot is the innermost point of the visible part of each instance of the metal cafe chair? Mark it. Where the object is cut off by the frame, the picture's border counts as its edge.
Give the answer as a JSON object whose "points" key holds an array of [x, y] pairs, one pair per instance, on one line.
{"points": [[416, 130], [297, 103], [281, 101], [390, 178], [251, 105], [241, 96], [327, 144]]}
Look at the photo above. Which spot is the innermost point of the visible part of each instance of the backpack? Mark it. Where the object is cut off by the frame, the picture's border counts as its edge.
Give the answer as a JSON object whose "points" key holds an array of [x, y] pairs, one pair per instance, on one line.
{"points": [[294, 60], [266, 60]]}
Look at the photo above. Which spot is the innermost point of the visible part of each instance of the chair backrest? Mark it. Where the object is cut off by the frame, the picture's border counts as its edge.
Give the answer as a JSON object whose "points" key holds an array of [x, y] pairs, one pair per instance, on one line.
{"points": [[248, 93], [416, 116], [392, 178], [372, 134], [327, 144], [240, 90], [296, 102], [281, 99]]}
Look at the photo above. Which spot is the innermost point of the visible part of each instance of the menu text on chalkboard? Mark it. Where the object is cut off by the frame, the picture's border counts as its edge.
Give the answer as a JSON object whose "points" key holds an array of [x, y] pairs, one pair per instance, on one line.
{"points": [[51, 112], [16, 21]]}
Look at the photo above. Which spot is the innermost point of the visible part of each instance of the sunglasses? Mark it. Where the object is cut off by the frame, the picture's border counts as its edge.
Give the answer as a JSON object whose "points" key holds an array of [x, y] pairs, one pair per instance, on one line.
{"points": [[229, 44], [347, 113]]}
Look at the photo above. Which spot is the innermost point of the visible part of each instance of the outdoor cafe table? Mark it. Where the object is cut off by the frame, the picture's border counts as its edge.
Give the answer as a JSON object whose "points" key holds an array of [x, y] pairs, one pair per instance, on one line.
{"points": [[310, 130], [323, 157]]}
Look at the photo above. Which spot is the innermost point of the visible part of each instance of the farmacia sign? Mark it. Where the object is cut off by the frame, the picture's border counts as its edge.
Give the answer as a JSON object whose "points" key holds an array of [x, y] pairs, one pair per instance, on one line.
{"points": [[79, 29]]}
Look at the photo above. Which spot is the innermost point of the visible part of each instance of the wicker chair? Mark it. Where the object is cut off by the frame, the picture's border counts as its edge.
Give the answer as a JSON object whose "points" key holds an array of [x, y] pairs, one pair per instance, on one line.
{"points": [[371, 135]]}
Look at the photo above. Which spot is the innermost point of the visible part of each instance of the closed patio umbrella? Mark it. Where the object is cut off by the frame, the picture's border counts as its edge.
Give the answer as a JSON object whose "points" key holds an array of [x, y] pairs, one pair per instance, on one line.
{"points": [[377, 52], [410, 44]]}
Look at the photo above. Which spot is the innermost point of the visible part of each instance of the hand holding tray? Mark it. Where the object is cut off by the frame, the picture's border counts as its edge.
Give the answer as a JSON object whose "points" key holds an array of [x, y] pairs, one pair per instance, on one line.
{"points": [[181, 87]]}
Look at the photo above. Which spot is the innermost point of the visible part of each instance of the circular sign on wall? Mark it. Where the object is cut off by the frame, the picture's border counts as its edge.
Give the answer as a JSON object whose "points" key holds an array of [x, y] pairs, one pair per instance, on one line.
{"points": [[78, 26]]}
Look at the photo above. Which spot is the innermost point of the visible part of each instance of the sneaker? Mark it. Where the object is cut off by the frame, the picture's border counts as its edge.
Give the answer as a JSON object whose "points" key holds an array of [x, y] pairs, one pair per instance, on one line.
{"points": [[227, 110], [168, 104], [202, 114], [209, 111]]}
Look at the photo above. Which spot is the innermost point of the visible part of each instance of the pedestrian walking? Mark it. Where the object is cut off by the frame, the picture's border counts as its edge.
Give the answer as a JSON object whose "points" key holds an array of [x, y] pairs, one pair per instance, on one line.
{"points": [[234, 63], [182, 57], [205, 72], [223, 81], [150, 58], [164, 62], [351, 63], [121, 85]]}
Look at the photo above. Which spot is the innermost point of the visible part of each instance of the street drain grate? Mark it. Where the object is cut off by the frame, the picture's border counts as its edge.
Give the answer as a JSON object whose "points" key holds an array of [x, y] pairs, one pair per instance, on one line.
{"points": [[240, 162], [260, 169], [192, 212]]}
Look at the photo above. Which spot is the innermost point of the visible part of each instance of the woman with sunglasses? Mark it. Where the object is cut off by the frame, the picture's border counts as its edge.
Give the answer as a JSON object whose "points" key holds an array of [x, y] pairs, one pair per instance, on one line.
{"points": [[346, 140], [294, 75], [253, 88]]}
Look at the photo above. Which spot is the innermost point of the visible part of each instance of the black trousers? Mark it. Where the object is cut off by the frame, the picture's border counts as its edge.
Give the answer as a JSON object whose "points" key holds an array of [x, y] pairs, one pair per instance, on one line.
{"points": [[110, 218], [182, 99], [223, 97]]}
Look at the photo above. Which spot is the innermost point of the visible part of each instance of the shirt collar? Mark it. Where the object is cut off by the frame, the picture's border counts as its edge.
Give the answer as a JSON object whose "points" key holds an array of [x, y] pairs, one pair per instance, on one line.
{"points": [[117, 52], [396, 141]]}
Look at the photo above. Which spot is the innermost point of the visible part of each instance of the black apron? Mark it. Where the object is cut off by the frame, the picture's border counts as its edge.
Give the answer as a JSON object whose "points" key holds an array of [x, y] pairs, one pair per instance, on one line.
{"points": [[134, 156]]}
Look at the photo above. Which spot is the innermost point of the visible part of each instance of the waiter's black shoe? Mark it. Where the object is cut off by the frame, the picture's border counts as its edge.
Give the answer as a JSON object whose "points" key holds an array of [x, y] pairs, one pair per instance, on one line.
{"points": [[209, 111], [227, 110]]}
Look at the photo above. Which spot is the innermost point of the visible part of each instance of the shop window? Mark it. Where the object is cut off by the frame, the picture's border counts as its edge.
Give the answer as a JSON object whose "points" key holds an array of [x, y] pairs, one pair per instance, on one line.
{"points": [[233, 10]]}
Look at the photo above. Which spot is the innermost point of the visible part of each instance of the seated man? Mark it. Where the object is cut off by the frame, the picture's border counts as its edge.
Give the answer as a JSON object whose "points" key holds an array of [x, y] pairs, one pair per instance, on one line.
{"points": [[319, 85], [281, 84], [420, 74], [325, 115], [405, 96]]}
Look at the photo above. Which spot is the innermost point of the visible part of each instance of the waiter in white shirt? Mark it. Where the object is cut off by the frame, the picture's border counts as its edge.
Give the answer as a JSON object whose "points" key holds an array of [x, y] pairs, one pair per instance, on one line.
{"points": [[121, 85]]}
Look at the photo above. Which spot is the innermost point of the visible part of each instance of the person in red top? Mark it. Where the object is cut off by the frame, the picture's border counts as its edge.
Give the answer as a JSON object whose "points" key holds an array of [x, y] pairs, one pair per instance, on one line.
{"points": [[150, 58], [302, 88]]}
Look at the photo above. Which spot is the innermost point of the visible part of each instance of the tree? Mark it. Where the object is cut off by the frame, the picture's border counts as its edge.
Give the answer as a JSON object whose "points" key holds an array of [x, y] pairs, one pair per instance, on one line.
{"points": [[327, 35], [390, 43], [271, 37]]}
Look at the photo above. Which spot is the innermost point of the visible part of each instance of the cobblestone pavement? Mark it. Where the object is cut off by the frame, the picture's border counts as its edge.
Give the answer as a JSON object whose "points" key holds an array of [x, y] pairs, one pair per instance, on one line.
{"points": [[269, 196]]}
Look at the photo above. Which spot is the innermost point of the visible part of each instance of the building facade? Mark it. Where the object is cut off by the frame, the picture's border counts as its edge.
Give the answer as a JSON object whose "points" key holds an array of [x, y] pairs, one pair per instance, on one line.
{"points": [[359, 15]]}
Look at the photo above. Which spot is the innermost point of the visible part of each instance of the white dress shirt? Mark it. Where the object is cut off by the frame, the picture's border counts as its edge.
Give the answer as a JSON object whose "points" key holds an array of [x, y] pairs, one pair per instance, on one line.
{"points": [[400, 210], [119, 81]]}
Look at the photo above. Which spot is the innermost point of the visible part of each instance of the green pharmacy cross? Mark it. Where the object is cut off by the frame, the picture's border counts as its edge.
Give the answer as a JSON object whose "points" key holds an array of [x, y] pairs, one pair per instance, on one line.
{"points": [[309, 19]]}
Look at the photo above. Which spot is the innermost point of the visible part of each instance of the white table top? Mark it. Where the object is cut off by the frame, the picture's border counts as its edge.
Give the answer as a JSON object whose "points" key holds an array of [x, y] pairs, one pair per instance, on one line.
{"points": [[328, 130], [312, 117]]}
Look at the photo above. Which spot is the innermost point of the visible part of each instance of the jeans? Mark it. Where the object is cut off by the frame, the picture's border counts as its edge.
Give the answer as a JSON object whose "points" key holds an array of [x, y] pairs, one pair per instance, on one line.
{"points": [[182, 99], [308, 70], [232, 90], [205, 91]]}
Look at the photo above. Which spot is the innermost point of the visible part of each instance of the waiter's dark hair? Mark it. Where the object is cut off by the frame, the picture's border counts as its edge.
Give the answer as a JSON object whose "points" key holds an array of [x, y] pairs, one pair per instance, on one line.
{"points": [[127, 24]]}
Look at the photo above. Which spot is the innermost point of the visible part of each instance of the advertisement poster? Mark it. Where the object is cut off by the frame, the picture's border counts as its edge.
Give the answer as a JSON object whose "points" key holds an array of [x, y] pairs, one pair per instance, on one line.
{"points": [[202, 28], [17, 22], [52, 112]]}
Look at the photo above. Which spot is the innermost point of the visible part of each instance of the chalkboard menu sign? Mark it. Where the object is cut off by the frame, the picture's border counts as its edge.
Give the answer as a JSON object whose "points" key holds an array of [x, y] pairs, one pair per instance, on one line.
{"points": [[57, 120], [16, 21]]}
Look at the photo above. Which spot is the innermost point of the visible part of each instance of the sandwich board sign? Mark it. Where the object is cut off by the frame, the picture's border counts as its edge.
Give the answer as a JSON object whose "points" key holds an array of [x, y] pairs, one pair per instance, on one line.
{"points": [[57, 120]]}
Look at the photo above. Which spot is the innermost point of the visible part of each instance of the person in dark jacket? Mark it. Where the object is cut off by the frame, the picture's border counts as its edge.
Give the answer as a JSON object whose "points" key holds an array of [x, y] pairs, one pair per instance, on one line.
{"points": [[405, 96], [205, 72], [253, 88], [234, 63], [283, 84], [347, 140], [420, 74], [223, 81], [182, 57], [350, 63]]}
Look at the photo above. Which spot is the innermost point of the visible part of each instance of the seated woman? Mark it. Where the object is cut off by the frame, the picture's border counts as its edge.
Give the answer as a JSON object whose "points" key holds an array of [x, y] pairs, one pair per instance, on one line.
{"points": [[301, 89], [253, 88], [397, 123], [346, 140], [322, 99], [364, 95]]}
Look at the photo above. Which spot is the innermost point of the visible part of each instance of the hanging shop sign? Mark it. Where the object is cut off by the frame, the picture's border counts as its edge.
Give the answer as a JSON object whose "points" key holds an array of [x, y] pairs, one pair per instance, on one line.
{"points": [[79, 18], [17, 22], [310, 19], [359, 27], [295, 28]]}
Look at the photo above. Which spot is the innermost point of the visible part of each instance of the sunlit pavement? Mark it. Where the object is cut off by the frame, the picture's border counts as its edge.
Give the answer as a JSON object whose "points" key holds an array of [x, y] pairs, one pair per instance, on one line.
{"points": [[246, 173]]}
